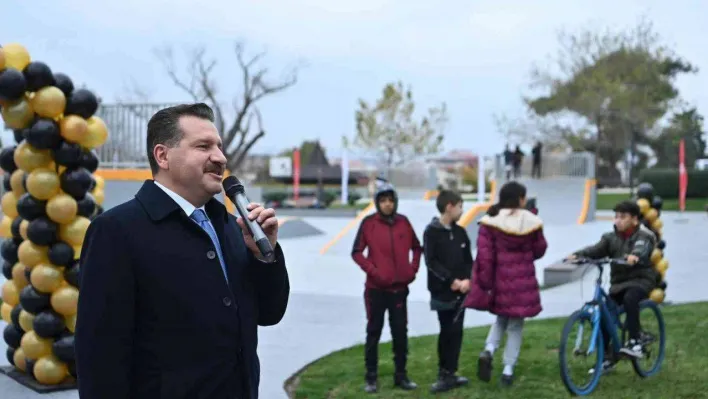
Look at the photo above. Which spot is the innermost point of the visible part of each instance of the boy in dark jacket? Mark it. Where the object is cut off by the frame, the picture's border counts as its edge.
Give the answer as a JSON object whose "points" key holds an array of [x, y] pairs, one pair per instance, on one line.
{"points": [[629, 285], [448, 257], [389, 269]]}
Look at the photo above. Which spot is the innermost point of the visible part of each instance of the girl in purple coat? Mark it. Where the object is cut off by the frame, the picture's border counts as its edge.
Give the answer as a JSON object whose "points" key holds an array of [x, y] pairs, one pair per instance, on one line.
{"points": [[504, 276]]}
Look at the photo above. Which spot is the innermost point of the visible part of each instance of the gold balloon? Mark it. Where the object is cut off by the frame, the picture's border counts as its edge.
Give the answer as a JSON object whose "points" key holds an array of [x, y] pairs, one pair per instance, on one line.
{"points": [[16, 56], [31, 254], [73, 128], [20, 359], [657, 295], [656, 224], [43, 183], [64, 300], [71, 322], [35, 346], [29, 158], [656, 256], [50, 371], [662, 266], [6, 227], [97, 133], [62, 208], [100, 183], [644, 205], [2, 59], [46, 278], [18, 276], [26, 320], [5, 312], [18, 114], [73, 233], [77, 252], [9, 204], [49, 102], [99, 196], [16, 185], [651, 215], [10, 293], [23, 229]]}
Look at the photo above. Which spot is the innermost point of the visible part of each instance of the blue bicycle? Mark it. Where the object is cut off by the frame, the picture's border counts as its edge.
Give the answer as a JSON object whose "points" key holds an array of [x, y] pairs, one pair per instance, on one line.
{"points": [[602, 310]]}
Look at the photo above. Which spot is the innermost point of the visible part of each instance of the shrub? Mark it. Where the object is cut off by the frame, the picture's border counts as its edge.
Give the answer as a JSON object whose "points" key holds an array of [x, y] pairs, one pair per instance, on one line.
{"points": [[666, 182]]}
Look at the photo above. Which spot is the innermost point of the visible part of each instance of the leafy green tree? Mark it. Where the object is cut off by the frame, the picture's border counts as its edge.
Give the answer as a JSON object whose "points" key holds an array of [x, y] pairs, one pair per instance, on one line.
{"points": [[390, 129], [687, 125]]}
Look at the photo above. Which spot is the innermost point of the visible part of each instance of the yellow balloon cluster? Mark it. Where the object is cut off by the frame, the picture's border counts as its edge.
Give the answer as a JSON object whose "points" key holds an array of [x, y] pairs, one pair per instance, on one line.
{"points": [[50, 195], [650, 217]]}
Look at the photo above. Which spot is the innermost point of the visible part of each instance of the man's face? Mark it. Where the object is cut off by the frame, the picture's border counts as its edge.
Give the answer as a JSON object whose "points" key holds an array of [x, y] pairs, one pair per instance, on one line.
{"points": [[197, 163], [386, 205], [625, 221], [454, 211]]}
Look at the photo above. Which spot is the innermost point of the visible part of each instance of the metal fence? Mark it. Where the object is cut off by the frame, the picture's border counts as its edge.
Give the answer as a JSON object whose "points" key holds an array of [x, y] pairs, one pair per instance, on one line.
{"points": [[576, 164], [126, 146]]}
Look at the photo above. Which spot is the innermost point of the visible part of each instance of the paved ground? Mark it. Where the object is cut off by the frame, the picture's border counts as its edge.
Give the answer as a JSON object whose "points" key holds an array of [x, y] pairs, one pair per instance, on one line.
{"points": [[326, 311]]}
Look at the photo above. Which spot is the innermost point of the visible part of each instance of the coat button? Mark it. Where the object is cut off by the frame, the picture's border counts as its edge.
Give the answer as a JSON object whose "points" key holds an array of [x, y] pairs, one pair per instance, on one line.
{"points": [[227, 301], [211, 255]]}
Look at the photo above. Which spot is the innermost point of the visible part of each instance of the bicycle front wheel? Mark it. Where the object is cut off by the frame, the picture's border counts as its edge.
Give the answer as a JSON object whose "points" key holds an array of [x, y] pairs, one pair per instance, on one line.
{"points": [[576, 339], [652, 338]]}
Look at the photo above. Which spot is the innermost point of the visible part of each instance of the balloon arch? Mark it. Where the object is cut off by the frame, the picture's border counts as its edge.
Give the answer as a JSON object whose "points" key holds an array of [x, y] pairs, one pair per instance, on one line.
{"points": [[50, 195]]}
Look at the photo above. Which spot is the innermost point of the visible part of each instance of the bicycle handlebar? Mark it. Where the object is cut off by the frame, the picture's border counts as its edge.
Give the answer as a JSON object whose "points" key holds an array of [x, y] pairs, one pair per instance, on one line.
{"points": [[597, 262]]}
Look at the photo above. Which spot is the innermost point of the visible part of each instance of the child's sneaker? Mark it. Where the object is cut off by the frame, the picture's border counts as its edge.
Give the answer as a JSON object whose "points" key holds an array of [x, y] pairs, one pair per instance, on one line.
{"points": [[633, 348], [607, 366]]}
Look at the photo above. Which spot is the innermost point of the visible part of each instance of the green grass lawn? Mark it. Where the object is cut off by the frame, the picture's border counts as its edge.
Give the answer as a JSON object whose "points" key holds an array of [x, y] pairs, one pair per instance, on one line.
{"points": [[607, 201], [683, 374]]}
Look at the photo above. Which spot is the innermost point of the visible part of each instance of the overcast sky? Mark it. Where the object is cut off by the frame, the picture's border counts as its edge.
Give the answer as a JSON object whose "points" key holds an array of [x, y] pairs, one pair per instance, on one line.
{"points": [[474, 55]]}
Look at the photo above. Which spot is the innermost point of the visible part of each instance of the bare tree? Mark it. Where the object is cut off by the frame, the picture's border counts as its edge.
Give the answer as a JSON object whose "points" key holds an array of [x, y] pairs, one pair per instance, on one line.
{"points": [[239, 135]]}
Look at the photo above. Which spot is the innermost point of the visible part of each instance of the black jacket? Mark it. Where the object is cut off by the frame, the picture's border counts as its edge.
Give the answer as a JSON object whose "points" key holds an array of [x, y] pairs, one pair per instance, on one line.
{"points": [[156, 318], [448, 256]]}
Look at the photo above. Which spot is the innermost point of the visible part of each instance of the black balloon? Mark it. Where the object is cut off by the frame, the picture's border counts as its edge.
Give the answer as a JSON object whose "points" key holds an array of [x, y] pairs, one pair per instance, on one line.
{"points": [[71, 274], [661, 244], [15, 228], [646, 191], [42, 231], [6, 182], [33, 301], [657, 203], [10, 355], [12, 335], [61, 254], [48, 324], [89, 161], [38, 75], [19, 134], [83, 103], [30, 208], [7, 159], [28, 273], [68, 154], [7, 269], [86, 206], [30, 366], [44, 134], [8, 249], [15, 315], [64, 84], [75, 182], [63, 349], [12, 84]]}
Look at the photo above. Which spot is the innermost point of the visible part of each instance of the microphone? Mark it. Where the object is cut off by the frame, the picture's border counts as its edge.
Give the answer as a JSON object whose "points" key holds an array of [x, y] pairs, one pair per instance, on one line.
{"points": [[237, 194]]}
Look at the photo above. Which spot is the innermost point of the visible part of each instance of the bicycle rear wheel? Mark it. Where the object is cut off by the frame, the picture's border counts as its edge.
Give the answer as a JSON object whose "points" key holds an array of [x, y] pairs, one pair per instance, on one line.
{"points": [[653, 339], [575, 342]]}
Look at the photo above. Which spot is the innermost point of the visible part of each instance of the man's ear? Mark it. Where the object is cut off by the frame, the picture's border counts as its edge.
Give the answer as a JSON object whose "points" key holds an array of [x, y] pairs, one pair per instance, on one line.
{"points": [[160, 152]]}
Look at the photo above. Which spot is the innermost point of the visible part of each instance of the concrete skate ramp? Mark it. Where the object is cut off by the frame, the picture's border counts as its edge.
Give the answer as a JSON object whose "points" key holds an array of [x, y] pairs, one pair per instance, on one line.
{"points": [[563, 200], [296, 228]]}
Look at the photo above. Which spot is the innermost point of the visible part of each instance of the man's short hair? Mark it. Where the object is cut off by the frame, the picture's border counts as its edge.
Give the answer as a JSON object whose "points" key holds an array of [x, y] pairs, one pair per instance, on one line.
{"points": [[446, 197], [629, 207], [163, 127]]}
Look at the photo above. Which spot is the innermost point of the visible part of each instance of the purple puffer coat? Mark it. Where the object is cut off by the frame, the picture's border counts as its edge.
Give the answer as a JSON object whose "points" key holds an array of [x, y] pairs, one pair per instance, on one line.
{"points": [[507, 246]]}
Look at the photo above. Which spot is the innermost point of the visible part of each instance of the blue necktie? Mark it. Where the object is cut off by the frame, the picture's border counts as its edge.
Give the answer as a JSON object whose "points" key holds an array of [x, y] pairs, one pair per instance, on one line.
{"points": [[202, 220]]}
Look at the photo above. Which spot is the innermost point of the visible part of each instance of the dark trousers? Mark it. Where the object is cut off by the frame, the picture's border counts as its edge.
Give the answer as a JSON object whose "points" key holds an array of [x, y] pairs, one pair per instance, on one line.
{"points": [[377, 303], [536, 169], [629, 299], [449, 339]]}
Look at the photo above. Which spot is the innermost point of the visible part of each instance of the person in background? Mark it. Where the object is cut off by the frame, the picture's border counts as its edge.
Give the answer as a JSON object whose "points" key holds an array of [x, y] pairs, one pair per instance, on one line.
{"points": [[448, 257], [536, 158], [504, 276], [517, 159], [508, 161], [390, 268]]}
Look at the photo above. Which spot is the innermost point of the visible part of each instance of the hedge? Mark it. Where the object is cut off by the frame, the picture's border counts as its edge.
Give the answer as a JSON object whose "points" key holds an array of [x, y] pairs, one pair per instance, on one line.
{"points": [[666, 182]]}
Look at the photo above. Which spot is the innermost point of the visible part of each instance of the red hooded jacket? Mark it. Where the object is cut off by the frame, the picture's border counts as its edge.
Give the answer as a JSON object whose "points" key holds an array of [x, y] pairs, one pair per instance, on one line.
{"points": [[388, 264]]}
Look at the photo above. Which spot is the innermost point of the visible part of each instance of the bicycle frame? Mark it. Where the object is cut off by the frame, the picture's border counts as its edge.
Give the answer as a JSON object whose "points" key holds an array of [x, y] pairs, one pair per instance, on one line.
{"points": [[600, 314]]}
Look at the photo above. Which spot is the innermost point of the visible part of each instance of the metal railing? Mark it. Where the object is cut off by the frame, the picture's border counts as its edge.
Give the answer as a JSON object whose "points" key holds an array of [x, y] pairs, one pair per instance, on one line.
{"points": [[576, 164]]}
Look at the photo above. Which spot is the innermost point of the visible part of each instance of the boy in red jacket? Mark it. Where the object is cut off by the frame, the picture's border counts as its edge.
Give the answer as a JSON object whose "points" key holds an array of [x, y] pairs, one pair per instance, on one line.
{"points": [[390, 239]]}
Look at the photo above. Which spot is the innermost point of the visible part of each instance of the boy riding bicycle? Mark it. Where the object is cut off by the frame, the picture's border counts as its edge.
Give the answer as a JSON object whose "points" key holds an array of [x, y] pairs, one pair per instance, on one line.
{"points": [[629, 284]]}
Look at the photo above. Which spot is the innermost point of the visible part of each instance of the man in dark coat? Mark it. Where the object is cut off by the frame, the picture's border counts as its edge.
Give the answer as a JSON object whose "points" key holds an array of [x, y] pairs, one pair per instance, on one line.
{"points": [[173, 287]]}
